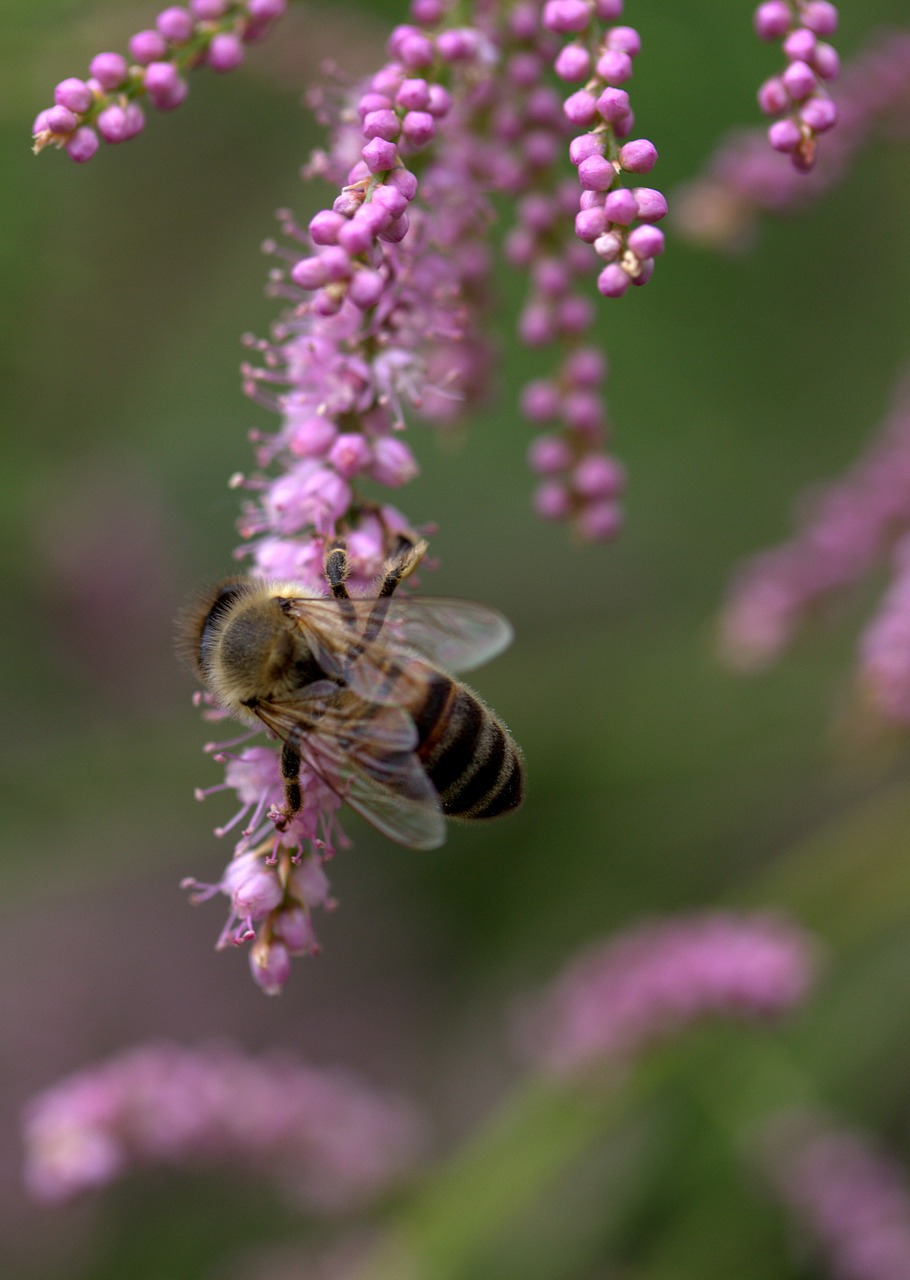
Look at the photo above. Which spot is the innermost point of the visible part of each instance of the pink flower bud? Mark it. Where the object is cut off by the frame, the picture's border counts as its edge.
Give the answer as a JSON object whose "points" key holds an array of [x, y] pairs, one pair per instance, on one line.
{"points": [[620, 206], [590, 223], [596, 173], [379, 155], [614, 66], [799, 80], [82, 145], [413, 95], [175, 24], [540, 400], [566, 16], [109, 69], [325, 226], [646, 241], [225, 52], [639, 156], [581, 109], [613, 281], [74, 94], [785, 135], [383, 123], [599, 521], [819, 114], [350, 453], [419, 127], [598, 476], [772, 20], [548, 455], [573, 62], [393, 463], [312, 437], [552, 501], [652, 205], [270, 965], [613, 105], [147, 46], [60, 120]]}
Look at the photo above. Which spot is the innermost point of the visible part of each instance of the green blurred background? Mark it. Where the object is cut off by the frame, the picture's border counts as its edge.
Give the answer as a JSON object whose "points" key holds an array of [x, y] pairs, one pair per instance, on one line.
{"points": [[657, 780]]}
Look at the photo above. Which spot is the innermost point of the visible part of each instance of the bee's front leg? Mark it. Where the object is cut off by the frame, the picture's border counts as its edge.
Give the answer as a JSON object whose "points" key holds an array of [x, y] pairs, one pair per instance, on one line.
{"points": [[293, 796], [336, 568], [402, 562]]}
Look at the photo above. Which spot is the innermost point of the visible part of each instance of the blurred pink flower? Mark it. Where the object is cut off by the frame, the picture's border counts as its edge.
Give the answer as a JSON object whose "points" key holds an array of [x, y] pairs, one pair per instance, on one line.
{"points": [[844, 530], [851, 1198], [621, 997], [326, 1138], [745, 178]]}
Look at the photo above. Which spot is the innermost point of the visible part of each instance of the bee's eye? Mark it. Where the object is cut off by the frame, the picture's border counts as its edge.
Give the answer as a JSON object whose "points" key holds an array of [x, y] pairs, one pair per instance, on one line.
{"points": [[225, 599]]}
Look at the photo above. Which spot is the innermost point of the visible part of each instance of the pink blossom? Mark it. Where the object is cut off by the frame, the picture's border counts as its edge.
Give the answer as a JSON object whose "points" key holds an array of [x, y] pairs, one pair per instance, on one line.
{"points": [[620, 998], [843, 531], [329, 1141], [210, 33], [744, 178], [798, 97], [850, 1197]]}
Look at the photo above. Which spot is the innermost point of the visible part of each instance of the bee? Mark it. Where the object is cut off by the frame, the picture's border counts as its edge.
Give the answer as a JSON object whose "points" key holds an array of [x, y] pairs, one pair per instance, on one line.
{"points": [[360, 690]]}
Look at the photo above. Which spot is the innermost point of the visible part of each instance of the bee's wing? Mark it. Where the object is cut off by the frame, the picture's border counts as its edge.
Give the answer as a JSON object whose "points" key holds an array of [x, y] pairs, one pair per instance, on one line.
{"points": [[365, 753], [458, 635]]}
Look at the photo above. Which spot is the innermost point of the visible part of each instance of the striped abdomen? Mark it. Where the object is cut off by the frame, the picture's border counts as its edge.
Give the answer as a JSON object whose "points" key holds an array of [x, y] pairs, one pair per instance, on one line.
{"points": [[467, 753]]}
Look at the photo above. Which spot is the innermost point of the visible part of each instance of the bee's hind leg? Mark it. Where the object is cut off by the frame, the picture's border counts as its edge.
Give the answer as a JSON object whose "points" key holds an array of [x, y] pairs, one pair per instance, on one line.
{"points": [[290, 775]]}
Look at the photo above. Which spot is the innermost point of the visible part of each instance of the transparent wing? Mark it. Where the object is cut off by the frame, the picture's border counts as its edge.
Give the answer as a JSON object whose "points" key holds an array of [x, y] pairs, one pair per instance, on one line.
{"points": [[457, 634], [365, 753]]}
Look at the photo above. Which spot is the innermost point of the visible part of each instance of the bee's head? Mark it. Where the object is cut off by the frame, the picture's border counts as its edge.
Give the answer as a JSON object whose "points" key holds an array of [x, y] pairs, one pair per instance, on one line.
{"points": [[200, 622]]}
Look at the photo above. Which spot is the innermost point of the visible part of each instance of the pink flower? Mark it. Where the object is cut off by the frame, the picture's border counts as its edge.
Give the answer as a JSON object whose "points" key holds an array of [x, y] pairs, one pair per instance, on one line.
{"points": [[329, 1141], [798, 97], [210, 33], [850, 1197], [843, 531], [622, 997]]}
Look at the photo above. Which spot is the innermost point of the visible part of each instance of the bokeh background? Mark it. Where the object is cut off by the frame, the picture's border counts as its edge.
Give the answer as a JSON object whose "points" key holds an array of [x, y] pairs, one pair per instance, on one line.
{"points": [[658, 781]]}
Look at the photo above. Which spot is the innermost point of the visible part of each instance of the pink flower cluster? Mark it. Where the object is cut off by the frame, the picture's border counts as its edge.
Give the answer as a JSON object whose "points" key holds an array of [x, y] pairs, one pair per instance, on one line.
{"points": [[387, 290], [274, 883], [579, 481], [378, 284], [844, 531], [852, 1199], [617, 221], [209, 33], [743, 178], [622, 997], [326, 1138], [797, 100]]}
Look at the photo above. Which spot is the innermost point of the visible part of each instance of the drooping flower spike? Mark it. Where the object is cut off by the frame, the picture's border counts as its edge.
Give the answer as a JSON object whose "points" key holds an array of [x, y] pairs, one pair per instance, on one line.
{"points": [[797, 100], [387, 294], [844, 530], [107, 104], [329, 1140], [744, 178], [620, 998], [850, 1198]]}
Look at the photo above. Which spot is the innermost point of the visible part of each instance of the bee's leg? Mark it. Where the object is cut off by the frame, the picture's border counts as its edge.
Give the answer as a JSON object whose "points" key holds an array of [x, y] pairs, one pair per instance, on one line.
{"points": [[336, 568], [290, 773], [403, 561]]}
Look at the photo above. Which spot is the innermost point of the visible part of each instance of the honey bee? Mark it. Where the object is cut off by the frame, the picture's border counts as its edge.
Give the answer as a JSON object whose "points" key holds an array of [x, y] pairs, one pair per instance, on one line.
{"points": [[360, 691]]}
